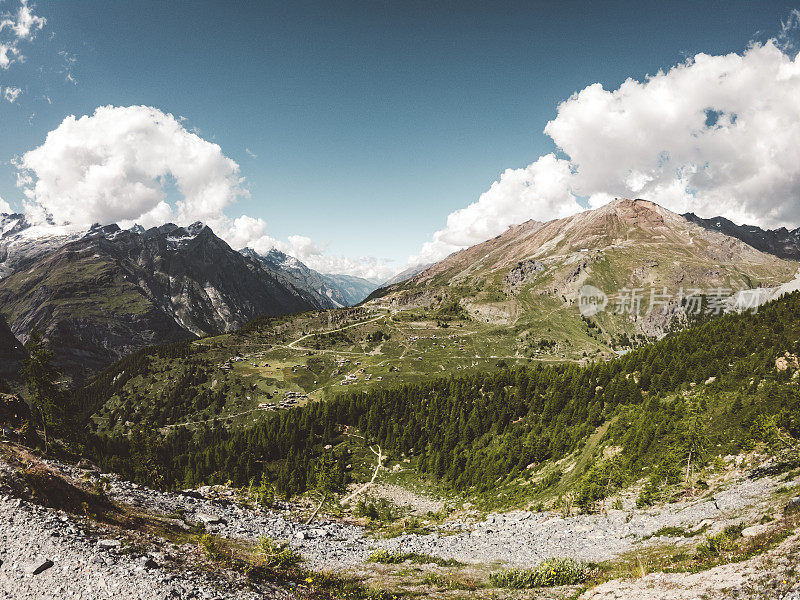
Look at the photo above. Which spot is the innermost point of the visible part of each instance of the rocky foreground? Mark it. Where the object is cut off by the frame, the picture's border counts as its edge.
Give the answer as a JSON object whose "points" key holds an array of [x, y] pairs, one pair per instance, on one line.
{"points": [[51, 553]]}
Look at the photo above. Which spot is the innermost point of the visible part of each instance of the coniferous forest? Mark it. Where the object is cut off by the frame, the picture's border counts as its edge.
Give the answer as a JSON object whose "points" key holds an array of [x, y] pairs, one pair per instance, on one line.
{"points": [[700, 393]]}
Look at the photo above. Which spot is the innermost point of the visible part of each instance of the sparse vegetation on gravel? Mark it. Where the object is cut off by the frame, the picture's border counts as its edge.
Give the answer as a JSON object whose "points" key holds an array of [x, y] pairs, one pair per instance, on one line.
{"points": [[548, 573]]}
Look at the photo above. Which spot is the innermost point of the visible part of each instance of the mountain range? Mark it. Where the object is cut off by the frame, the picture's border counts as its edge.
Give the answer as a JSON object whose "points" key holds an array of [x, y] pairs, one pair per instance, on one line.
{"points": [[100, 294], [780, 242], [531, 274], [341, 290]]}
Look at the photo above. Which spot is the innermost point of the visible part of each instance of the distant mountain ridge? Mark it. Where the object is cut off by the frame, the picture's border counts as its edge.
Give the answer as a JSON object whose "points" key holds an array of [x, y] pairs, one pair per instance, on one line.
{"points": [[780, 242], [97, 295], [340, 290]]}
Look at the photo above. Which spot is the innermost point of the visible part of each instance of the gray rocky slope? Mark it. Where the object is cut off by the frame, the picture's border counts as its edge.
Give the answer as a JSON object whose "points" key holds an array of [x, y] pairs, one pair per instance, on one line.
{"points": [[45, 553]]}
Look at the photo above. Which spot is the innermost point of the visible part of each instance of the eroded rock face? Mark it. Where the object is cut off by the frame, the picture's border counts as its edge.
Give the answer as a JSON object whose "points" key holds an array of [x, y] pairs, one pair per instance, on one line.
{"points": [[525, 269], [111, 292]]}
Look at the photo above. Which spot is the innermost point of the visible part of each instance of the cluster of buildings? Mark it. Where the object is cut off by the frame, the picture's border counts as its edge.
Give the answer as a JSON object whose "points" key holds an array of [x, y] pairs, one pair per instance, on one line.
{"points": [[290, 399]]}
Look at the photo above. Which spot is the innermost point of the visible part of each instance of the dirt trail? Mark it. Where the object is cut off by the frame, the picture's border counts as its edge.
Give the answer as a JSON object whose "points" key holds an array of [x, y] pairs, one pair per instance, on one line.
{"points": [[379, 454], [300, 339]]}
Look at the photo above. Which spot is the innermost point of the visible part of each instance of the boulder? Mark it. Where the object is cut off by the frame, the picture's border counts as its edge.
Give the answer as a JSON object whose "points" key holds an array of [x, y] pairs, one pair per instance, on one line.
{"points": [[754, 530], [209, 519]]}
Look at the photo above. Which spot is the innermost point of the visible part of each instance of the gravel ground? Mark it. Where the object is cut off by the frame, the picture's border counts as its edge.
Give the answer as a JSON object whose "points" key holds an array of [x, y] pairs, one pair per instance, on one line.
{"points": [[84, 567], [519, 538], [769, 576], [524, 538], [45, 554]]}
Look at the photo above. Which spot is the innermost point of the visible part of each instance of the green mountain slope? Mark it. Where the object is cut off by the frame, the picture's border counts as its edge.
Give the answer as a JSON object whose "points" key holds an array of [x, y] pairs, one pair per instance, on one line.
{"points": [[530, 276], [516, 436]]}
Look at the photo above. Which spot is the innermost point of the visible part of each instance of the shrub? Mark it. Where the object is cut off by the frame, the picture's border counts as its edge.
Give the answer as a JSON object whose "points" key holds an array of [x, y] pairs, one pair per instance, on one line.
{"points": [[212, 547], [393, 558], [551, 572], [377, 510], [723, 541], [385, 557], [277, 555]]}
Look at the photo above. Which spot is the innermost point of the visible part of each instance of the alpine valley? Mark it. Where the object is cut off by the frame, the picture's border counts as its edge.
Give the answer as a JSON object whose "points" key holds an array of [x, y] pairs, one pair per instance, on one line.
{"points": [[186, 420]]}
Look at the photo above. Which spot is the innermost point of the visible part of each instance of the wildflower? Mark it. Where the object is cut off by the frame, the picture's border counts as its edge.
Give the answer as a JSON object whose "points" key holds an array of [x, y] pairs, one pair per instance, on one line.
{"points": [[309, 580]]}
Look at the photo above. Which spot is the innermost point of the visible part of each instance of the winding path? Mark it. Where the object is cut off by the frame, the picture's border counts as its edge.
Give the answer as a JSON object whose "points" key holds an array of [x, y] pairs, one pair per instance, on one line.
{"points": [[300, 339], [379, 454]]}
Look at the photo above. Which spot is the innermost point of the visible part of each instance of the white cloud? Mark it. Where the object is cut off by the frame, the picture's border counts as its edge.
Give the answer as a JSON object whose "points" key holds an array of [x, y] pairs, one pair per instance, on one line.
{"points": [[4, 206], [114, 166], [539, 191], [117, 165], [14, 28], [713, 135], [250, 153], [68, 66], [25, 24], [11, 93]]}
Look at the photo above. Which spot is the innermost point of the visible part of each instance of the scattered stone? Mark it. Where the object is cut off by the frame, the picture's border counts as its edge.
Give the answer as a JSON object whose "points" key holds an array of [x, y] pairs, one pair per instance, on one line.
{"points": [[38, 566], [209, 519]]}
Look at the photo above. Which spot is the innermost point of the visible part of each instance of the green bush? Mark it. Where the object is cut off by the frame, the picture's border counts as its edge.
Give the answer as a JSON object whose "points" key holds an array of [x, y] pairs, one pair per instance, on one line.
{"points": [[392, 558], [277, 555], [551, 572], [387, 558], [377, 510], [723, 541]]}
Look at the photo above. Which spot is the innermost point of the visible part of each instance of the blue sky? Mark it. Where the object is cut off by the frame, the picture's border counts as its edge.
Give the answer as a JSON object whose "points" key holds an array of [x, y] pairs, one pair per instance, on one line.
{"points": [[361, 125]]}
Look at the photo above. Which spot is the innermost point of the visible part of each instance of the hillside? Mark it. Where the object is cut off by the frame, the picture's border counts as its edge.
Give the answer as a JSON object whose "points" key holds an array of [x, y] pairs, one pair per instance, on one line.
{"points": [[474, 431], [530, 276], [111, 292], [11, 350]]}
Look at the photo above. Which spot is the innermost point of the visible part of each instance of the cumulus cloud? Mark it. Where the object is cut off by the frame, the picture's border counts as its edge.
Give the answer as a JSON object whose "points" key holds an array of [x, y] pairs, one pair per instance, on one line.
{"points": [[116, 164], [716, 135], [539, 191], [713, 135], [4, 206]]}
